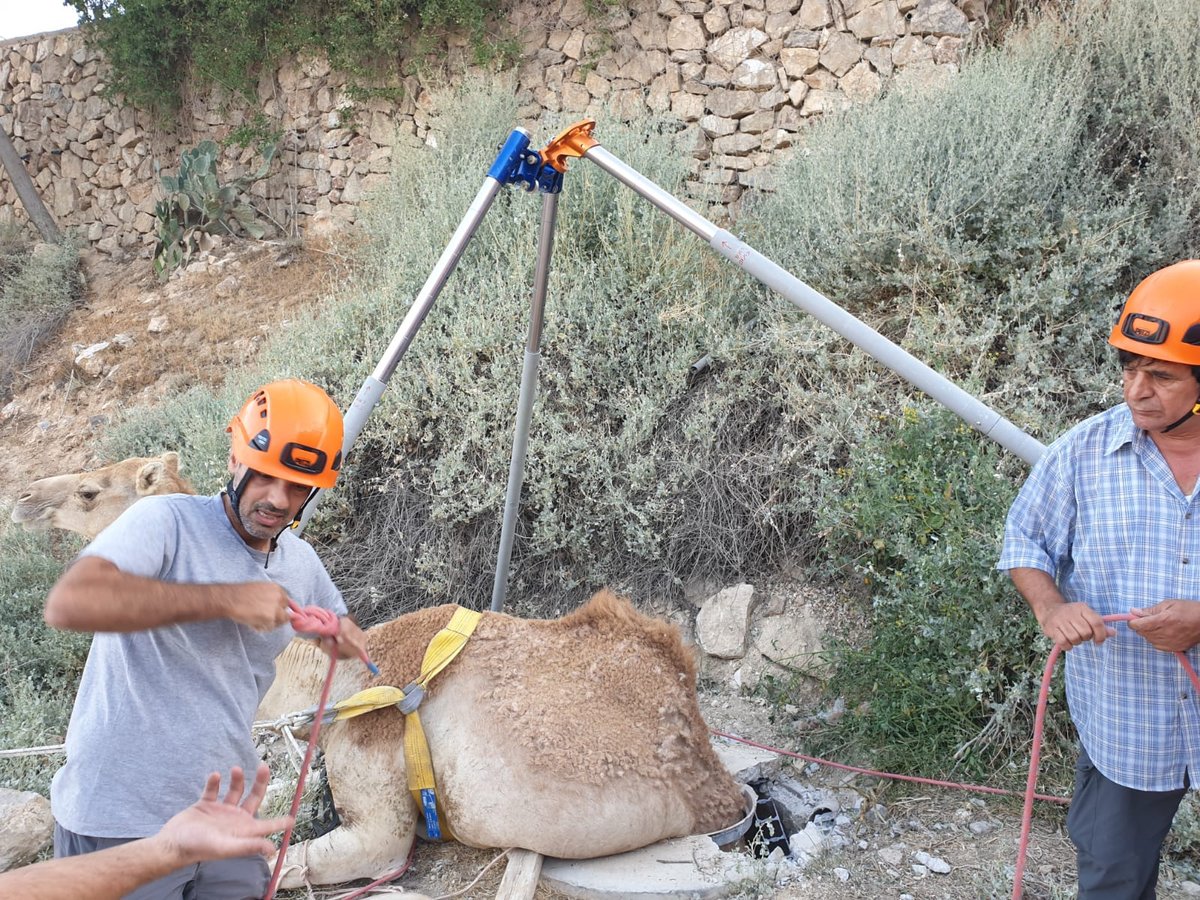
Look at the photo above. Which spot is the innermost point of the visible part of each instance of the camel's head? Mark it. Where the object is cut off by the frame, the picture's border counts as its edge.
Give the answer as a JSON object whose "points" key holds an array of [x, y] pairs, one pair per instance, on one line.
{"points": [[89, 502]]}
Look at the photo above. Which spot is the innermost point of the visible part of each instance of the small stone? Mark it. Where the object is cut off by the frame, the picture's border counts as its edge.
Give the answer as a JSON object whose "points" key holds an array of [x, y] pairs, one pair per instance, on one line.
{"points": [[892, 855], [842, 875], [981, 828], [157, 325], [227, 287], [933, 863]]}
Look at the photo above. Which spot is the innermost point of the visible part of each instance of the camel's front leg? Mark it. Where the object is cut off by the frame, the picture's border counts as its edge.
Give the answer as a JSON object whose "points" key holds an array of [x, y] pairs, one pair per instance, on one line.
{"points": [[366, 775]]}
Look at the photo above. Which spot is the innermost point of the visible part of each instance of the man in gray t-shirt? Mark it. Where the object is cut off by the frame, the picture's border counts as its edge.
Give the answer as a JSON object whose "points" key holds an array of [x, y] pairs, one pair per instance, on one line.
{"points": [[189, 599]]}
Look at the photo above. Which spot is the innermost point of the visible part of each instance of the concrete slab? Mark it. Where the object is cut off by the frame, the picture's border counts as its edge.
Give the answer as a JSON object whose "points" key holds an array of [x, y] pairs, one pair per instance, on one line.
{"points": [[747, 763], [687, 868], [691, 867]]}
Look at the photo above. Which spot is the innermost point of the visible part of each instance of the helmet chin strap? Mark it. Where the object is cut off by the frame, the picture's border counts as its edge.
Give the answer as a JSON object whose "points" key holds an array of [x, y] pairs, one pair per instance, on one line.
{"points": [[234, 492], [1194, 411]]}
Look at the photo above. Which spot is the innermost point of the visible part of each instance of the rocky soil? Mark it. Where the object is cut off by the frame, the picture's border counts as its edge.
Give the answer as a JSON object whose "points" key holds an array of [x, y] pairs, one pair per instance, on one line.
{"points": [[857, 837]]}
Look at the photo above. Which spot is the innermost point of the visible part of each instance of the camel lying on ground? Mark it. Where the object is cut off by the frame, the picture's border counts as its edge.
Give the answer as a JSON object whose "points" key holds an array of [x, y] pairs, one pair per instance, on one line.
{"points": [[575, 738], [88, 502]]}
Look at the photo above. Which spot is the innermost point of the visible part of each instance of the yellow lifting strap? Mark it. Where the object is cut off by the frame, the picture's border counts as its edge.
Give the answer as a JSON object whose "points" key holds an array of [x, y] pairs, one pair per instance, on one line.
{"points": [[365, 701], [442, 650]]}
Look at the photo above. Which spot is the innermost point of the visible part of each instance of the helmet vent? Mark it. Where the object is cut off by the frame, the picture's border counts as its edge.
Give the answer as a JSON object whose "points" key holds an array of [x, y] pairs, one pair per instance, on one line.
{"points": [[262, 440], [1192, 335]]}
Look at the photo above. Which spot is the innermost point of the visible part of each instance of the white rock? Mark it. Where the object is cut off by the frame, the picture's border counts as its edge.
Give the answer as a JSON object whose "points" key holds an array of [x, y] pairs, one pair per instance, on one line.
{"points": [[810, 842], [934, 863]]}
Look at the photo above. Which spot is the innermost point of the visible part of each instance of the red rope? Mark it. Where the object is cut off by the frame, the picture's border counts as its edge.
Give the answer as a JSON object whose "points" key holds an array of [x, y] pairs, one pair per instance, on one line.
{"points": [[308, 755], [313, 620], [1035, 756], [978, 788]]}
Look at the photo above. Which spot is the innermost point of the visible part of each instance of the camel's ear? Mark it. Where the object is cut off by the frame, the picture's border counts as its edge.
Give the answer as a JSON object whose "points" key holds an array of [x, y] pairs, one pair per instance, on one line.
{"points": [[148, 476], [170, 459]]}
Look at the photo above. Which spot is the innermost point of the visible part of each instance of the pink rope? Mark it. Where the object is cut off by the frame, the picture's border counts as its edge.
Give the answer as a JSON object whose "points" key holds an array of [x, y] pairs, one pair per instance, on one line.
{"points": [[1039, 723], [977, 788], [313, 620], [308, 756]]}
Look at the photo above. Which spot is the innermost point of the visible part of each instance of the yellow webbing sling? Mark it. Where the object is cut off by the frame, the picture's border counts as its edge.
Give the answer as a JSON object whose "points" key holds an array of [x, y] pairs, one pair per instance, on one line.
{"points": [[445, 645], [442, 650]]}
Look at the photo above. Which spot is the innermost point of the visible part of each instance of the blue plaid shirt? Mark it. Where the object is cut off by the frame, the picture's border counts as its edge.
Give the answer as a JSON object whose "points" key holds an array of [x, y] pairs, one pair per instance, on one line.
{"points": [[1102, 514]]}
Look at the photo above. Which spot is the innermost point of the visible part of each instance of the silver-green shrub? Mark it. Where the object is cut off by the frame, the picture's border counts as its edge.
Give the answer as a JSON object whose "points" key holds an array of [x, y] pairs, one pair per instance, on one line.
{"points": [[39, 285], [991, 226], [39, 667]]}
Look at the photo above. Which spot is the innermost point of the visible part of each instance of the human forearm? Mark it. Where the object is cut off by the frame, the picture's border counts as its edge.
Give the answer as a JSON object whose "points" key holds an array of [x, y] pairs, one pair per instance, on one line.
{"points": [[94, 595], [102, 875], [1039, 590], [1065, 623]]}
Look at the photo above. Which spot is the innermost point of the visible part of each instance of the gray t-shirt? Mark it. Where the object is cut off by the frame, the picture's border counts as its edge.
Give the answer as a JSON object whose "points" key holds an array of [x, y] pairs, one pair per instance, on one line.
{"points": [[158, 710]]}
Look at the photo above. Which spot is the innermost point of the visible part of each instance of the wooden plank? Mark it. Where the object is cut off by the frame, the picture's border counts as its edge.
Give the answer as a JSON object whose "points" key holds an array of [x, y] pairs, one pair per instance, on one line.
{"points": [[521, 875]]}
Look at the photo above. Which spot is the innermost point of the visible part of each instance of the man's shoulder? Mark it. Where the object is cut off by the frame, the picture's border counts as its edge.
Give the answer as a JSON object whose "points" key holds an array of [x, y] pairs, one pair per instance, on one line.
{"points": [[1104, 431], [185, 505], [296, 546]]}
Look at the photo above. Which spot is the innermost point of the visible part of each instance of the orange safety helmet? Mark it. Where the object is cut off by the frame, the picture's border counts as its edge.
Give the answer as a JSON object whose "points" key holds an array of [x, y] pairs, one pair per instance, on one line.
{"points": [[1161, 318], [291, 430]]}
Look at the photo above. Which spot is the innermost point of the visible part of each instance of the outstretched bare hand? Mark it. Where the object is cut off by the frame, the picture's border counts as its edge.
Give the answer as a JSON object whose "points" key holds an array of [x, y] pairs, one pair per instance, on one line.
{"points": [[220, 829]]}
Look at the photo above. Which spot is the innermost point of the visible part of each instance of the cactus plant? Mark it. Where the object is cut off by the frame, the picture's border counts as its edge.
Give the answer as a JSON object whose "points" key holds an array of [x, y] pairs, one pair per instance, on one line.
{"points": [[197, 204]]}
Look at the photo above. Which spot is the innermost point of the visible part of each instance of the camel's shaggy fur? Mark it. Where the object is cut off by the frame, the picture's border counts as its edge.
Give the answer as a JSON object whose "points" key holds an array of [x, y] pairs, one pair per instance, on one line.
{"points": [[576, 737]]}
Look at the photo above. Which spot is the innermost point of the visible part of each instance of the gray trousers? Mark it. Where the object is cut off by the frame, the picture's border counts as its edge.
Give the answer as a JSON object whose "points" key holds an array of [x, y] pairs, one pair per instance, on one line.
{"points": [[1118, 834], [244, 878]]}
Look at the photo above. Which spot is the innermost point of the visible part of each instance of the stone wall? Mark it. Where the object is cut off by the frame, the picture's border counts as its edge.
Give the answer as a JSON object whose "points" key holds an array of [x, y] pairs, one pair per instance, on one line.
{"points": [[740, 76]]}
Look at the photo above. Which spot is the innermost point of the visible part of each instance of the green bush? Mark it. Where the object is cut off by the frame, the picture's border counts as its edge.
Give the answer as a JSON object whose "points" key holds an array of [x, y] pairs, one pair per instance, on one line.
{"points": [[990, 226], [918, 520], [39, 667], [155, 46], [39, 285]]}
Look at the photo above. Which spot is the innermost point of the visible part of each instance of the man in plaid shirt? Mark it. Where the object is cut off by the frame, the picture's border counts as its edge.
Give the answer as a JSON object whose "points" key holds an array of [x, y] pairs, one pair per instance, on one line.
{"points": [[1109, 523]]}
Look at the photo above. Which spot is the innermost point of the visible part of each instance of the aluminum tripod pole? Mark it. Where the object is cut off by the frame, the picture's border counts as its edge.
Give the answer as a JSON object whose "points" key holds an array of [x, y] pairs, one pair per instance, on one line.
{"points": [[375, 383], [529, 372], [975, 413]]}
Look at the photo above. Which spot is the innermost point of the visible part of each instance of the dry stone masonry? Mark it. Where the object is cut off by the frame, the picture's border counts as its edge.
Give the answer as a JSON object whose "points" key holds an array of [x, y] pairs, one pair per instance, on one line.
{"points": [[740, 77]]}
